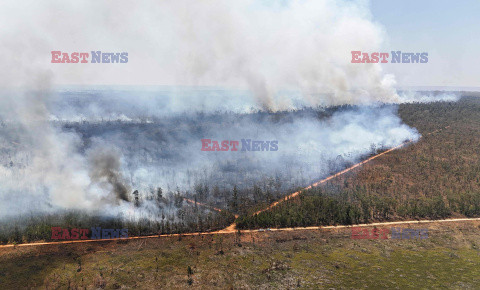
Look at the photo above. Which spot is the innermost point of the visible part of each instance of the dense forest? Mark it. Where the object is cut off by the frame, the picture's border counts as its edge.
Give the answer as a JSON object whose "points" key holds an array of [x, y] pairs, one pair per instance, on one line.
{"points": [[437, 177]]}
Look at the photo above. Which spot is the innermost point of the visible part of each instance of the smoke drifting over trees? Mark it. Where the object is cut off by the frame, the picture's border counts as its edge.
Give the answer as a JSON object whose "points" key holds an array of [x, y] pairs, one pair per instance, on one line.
{"points": [[115, 157], [65, 148]]}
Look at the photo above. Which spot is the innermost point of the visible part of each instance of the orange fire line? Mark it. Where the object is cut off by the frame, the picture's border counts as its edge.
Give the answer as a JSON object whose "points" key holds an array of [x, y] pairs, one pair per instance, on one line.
{"points": [[202, 204], [250, 231], [332, 177], [205, 205]]}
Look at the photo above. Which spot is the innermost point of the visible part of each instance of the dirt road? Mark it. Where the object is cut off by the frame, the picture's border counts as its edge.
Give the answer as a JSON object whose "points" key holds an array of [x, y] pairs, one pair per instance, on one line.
{"points": [[232, 231]]}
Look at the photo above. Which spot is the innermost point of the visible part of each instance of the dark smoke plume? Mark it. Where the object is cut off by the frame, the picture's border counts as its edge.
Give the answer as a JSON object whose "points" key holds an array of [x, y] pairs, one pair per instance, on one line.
{"points": [[105, 167]]}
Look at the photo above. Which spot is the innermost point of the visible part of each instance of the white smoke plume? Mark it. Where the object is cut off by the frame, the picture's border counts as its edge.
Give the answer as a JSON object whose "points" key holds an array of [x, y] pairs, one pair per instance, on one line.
{"points": [[252, 54], [266, 47]]}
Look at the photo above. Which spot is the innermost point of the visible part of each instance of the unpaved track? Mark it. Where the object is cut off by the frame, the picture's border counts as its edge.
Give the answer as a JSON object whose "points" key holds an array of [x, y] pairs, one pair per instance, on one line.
{"points": [[232, 228], [232, 231]]}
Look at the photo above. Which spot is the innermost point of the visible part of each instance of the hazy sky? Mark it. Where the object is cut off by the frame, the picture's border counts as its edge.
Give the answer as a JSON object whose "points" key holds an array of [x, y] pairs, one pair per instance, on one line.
{"points": [[448, 30]]}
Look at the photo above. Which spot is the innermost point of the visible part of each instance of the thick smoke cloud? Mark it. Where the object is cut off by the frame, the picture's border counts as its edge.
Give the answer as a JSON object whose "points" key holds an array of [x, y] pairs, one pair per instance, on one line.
{"points": [[266, 47], [60, 148]]}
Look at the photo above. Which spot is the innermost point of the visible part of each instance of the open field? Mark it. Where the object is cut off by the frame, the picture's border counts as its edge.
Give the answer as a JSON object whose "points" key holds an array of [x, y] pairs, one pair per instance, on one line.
{"points": [[449, 257]]}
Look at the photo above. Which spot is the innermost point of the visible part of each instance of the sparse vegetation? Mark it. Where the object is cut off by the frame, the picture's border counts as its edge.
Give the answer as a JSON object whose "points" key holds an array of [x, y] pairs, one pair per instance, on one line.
{"points": [[323, 259]]}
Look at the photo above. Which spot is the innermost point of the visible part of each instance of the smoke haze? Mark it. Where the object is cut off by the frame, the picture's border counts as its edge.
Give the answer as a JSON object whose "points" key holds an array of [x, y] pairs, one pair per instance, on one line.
{"points": [[233, 70]]}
